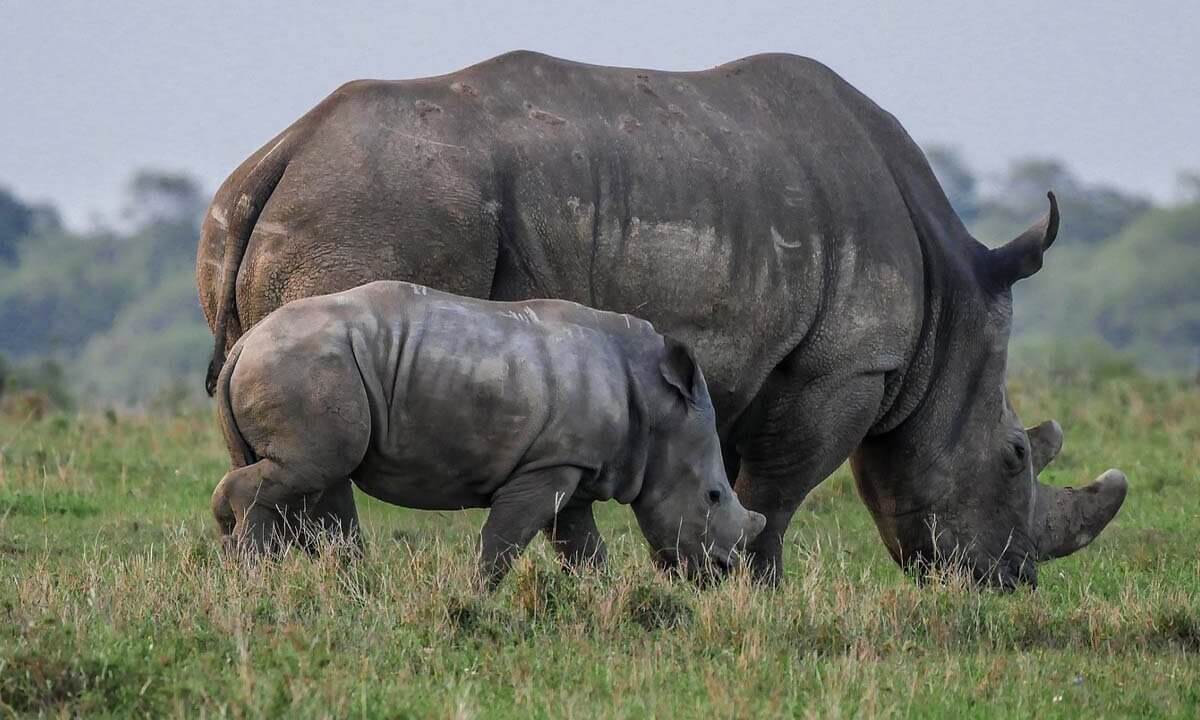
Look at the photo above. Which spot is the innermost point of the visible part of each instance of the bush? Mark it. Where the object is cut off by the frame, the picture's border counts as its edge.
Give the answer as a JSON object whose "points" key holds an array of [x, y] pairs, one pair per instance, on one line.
{"points": [[37, 386]]}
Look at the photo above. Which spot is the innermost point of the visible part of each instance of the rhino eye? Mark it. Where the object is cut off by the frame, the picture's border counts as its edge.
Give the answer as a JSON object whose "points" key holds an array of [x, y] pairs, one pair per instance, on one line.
{"points": [[1015, 460], [714, 497]]}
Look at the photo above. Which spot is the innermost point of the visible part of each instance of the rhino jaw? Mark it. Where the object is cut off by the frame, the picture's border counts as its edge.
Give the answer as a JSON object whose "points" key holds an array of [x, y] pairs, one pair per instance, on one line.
{"points": [[1067, 519]]}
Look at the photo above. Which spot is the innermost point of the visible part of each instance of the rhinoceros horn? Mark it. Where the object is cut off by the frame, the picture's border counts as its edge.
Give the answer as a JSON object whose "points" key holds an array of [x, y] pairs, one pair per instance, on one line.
{"points": [[1066, 519]]}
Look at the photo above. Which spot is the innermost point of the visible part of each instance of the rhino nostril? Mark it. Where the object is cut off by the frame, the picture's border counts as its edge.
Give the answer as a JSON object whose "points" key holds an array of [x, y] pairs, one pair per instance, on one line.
{"points": [[714, 497]]}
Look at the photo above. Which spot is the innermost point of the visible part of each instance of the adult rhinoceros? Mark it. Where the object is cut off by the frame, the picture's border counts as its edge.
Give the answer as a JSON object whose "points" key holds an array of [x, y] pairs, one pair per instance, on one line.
{"points": [[764, 211]]}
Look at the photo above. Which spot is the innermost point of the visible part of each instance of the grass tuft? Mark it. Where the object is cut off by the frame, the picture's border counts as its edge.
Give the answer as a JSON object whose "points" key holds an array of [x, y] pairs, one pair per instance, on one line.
{"points": [[654, 608]]}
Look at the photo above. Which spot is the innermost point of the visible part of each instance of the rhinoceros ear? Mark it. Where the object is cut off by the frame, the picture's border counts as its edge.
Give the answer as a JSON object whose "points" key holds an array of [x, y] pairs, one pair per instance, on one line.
{"points": [[1046, 440], [1022, 257], [680, 370]]}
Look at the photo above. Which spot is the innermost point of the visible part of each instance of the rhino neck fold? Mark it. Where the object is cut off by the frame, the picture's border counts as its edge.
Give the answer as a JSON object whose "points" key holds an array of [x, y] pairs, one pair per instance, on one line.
{"points": [[950, 364], [956, 379], [622, 476], [952, 303]]}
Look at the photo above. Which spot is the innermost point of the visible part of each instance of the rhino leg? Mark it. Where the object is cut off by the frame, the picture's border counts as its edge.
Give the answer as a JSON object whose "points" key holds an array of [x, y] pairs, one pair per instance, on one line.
{"points": [[335, 516], [576, 538], [311, 409], [259, 510], [799, 435], [258, 503], [525, 505], [222, 510]]}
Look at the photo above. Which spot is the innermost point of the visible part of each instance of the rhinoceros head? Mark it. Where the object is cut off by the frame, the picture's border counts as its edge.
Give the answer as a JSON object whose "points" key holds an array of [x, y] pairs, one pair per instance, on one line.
{"points": [[687, 510], [956, 483]]}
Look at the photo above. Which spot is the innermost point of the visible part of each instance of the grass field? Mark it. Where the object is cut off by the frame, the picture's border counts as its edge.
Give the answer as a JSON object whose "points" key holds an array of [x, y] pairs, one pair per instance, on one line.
{"points": [[115, 601]]}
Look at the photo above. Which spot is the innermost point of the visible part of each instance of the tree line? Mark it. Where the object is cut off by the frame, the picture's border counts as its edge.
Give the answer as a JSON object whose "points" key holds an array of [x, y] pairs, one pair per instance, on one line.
{"points": [[110, 315]]}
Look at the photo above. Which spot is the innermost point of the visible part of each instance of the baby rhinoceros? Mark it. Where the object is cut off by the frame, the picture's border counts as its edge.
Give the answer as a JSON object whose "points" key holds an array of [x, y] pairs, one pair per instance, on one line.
{"points": [[429, 400]]}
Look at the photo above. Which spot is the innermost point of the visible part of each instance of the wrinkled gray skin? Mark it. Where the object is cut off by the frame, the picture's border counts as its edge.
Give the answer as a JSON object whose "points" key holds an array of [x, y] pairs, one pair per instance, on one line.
{"points": [[764, 212], [427, 400]]}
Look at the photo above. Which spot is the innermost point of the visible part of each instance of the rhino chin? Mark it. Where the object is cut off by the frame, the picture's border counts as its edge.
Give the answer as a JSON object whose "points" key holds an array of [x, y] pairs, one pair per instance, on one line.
{"points": [[704, 573], [1011, 568], [1012, 571]]}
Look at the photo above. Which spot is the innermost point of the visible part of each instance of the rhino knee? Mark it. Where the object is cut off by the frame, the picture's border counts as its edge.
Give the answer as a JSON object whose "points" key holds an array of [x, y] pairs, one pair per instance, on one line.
{"points": [[222, 509]]}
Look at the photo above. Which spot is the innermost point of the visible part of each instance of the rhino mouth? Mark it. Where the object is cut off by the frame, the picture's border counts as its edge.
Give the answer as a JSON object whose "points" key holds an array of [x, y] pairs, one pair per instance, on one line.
{"points": [[1010, 570], [711, 569]]}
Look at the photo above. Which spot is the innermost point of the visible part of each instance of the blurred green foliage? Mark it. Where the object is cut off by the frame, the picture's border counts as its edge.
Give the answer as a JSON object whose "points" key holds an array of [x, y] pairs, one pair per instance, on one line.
{"points": [[114, 309], [110, 315], [1118, 289]]}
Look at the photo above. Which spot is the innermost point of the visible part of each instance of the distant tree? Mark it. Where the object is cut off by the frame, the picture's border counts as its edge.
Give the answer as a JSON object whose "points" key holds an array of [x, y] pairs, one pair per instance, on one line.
{"points": [[956, 179], [1028, 180], [164, 209], [1188, 184], [19, 220], [1100, 212], [156, 197], [16, 220], [1148, 302], [1092, 213]]}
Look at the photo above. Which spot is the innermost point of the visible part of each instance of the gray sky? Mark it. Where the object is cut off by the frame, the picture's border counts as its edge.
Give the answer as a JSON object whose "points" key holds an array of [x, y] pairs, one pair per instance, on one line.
{"points": [[93, 90]]}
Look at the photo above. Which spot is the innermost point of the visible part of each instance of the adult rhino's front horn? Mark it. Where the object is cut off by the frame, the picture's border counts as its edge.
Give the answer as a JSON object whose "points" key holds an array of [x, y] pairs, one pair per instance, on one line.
{"points": [[1066, 519]]}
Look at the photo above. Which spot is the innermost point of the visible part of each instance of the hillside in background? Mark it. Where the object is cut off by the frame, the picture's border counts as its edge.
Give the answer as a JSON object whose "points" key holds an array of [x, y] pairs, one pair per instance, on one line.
{"points": [[110, 316]]}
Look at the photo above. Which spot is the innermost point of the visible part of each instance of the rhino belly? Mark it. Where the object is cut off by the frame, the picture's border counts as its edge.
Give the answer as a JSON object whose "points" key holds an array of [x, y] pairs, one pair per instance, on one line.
{"points": [[421, 486]]}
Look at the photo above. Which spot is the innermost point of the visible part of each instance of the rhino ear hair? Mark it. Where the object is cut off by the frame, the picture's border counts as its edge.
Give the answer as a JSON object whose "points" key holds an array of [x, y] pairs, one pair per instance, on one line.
{"points": [[679, 368], [1022, 256]]}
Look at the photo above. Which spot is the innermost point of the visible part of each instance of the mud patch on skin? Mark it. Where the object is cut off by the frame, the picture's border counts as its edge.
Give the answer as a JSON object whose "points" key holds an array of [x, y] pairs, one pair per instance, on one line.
{"points": [[425, 108], [547, 117], [676, 112], [642, 84], [217, 213], [463, 89], [628, 123]]}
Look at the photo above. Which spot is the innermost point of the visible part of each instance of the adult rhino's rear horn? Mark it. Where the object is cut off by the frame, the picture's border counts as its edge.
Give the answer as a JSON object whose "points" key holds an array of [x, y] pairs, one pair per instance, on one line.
{"points": [[1022, 256], [1066, 519]]}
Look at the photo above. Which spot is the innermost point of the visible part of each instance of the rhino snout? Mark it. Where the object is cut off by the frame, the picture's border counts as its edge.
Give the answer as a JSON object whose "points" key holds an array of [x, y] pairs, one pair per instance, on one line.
{"points": [[754, 525]]}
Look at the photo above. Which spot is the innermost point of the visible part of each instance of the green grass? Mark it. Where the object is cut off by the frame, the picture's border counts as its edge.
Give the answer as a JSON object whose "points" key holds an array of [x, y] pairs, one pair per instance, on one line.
{"points": [[114, 600]]}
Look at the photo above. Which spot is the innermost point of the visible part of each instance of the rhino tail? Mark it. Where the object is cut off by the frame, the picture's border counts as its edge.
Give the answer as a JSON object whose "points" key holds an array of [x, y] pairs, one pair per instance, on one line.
{"points": [[240, 451], [249, 199]]}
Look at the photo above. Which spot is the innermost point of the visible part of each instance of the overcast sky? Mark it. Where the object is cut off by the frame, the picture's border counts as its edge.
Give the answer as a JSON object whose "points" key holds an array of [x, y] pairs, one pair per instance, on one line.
{"points": [[92, 90]]}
